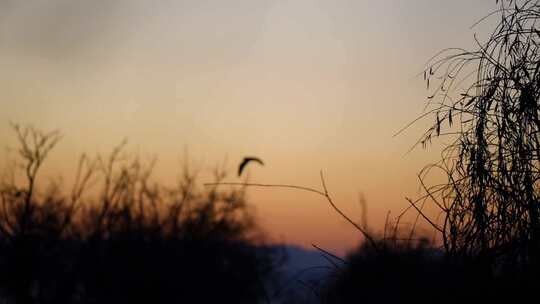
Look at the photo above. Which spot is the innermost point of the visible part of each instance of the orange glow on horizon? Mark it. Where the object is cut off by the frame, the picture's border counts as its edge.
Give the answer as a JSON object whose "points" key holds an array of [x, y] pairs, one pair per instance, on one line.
{"points": [[305, 85]]}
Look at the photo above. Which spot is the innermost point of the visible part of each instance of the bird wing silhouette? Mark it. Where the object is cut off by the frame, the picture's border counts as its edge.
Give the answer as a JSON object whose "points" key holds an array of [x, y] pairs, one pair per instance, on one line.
{"points": [[246, 161]]}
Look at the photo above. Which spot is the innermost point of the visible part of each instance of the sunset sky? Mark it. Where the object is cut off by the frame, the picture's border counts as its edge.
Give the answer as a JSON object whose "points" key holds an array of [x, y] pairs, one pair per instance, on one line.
{"points": [[306, 85]]}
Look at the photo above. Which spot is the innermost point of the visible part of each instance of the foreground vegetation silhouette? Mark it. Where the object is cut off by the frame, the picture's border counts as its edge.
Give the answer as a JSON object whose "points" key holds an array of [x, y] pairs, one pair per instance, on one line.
{"points": [[485, 102], [491, 199], [132, 241], [117, 237]]}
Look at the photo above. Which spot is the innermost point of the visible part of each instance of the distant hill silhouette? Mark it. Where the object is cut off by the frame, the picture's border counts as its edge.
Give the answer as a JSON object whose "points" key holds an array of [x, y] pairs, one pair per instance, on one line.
{"points": [[299, 273]]}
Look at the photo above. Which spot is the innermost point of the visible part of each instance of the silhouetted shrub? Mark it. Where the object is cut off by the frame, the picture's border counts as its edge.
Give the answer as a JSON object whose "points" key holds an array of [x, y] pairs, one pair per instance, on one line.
{"points": [[417, 272], [127, 241]]}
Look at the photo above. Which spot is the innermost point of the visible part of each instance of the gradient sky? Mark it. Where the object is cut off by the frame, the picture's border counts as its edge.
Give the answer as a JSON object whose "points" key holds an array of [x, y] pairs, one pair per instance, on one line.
{"points": [[305, 85]]}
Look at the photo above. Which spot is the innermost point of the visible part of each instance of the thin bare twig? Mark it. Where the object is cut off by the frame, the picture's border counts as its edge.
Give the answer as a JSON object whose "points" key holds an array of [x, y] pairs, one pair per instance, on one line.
{"points": [[323, 193]]}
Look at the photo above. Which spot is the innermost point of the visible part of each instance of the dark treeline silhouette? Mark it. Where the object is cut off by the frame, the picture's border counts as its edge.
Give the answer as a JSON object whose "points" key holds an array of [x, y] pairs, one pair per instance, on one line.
{"points": [[418, 271], [117, 237]]}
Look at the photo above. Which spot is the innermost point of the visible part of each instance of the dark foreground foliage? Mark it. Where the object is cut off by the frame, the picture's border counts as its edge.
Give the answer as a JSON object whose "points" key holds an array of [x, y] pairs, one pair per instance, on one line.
{"points": [[129, 240], [119, 238], [485, 103], [417, 272]]}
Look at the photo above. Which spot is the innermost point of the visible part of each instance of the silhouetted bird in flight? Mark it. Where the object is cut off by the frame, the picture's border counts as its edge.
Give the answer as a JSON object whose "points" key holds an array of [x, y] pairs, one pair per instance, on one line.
{"points": [[246, 161]]}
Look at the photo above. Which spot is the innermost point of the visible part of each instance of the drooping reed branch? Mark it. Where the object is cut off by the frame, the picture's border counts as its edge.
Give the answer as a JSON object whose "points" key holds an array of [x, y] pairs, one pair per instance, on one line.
{"points": [[487, 99], [324, 193]]}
